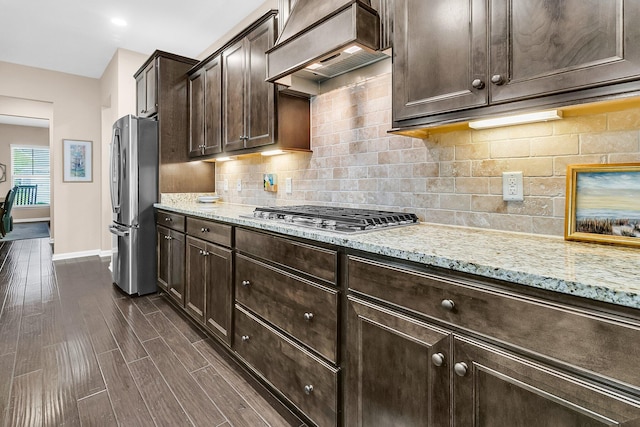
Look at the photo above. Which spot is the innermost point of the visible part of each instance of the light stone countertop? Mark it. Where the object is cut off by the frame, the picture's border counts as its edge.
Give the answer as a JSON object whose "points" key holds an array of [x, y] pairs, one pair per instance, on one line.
{"points": [[599, 272]]}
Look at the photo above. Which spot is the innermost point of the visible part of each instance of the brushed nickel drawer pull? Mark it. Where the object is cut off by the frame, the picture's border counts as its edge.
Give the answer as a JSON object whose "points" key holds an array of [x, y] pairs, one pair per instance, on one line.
{"points": [[204, 230], [308, 317], [308, 389], [448, 304], [166, 218], [438, 359]]}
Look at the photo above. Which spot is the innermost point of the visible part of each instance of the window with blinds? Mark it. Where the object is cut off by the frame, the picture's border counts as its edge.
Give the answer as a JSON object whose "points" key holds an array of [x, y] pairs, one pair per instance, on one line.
{"points": [[30, 167]]}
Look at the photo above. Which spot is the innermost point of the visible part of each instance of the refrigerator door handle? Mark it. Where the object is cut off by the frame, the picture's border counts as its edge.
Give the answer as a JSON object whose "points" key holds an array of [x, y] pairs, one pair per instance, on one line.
{"points": [[118, 232], [116, 172]]}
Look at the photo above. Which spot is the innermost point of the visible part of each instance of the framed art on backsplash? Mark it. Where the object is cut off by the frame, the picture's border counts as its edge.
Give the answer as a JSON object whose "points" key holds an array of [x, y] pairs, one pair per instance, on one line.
{"points": [[603, 203]]}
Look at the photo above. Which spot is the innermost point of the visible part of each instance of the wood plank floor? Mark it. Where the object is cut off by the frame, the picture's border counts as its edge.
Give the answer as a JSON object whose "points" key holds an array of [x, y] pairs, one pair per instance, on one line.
{"points": [[74, 351]]}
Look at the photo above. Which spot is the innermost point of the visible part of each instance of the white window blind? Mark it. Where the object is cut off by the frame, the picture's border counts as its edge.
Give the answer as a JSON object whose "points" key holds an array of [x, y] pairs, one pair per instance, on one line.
{"points": [[30, 166]]}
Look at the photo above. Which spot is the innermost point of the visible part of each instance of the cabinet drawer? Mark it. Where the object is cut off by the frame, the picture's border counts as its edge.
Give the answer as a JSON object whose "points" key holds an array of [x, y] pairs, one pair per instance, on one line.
{"points": [[299, 307], [171, 220], [584, 339], [210, 231], [306, 381], [311, 260]]}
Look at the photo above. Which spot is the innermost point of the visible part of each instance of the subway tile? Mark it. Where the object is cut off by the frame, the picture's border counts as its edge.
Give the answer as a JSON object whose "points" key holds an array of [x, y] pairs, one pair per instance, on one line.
{"points": [[623, 120], [458, 202], [420, 170], [515, 223], [547, 186], [547, 225], [488, 203], [532, 206], [471, 185], [555, 145], [510, 148], [560, 163], [612, 142], [472, 151], [582, 124]]}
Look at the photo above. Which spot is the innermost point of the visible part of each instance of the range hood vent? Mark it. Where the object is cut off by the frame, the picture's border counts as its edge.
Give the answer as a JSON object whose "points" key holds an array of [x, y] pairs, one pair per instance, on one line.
{"points": [[322, 40]]}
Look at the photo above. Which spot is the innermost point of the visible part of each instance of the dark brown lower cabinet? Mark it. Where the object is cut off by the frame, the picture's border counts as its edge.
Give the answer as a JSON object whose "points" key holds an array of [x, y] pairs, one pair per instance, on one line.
{"points": [[494, 388], [170, 253], [306, 380], [405, 372], [208, 295], [391, 378]]}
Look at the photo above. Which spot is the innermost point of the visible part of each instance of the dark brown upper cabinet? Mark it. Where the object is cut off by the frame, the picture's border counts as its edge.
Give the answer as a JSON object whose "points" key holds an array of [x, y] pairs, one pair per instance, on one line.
{"points": [[146, 91], [163, 79], [455, 60], [234, 110], [248, 100], [205, 118]]}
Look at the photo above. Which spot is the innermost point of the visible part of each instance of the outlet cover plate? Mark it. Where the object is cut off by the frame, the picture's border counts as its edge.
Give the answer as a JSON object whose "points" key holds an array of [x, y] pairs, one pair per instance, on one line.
{"points": [[512, 187]]}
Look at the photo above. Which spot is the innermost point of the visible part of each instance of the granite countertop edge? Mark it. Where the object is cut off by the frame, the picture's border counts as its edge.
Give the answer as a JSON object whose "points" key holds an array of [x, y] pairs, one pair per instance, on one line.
{"points": [[543, 262]]}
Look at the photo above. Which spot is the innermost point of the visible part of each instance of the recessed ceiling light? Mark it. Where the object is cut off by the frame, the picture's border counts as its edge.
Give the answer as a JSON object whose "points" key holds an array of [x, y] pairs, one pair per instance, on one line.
{"points": [[119, 22]]}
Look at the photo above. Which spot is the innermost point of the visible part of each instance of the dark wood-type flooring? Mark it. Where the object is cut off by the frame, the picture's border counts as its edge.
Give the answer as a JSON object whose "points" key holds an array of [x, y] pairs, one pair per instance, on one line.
{"points": [[76, 351]]}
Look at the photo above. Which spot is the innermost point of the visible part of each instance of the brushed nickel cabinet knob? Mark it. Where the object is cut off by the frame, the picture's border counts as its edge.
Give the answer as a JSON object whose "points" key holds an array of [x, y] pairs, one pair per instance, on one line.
{"points": [[477, 84], [460, 369], [245, 338], [497, 79], [308, 389], [308, 317], [448, 304], [438, 359], [246, 283]]}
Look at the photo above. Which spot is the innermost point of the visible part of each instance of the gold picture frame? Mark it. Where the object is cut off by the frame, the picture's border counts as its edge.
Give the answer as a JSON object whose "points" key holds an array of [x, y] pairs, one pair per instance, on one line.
{"points": [[603, 203]]}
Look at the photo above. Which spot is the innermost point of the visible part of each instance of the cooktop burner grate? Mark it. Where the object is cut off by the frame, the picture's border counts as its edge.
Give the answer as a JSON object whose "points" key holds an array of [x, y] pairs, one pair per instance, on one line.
{"points": [[344, 220]]}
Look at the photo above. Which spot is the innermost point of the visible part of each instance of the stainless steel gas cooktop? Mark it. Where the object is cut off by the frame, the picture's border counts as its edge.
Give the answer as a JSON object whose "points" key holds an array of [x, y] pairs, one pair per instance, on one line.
{"points": [[342, 220]]}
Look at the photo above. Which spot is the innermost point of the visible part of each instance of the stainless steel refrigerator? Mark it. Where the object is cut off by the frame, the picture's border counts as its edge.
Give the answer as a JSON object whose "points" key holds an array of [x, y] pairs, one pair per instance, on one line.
{"points": [[134, 190]]}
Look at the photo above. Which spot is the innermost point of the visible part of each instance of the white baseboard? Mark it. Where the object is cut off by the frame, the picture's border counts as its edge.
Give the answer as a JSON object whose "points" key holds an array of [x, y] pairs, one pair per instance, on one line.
{"points": [[104, 254], [19, 221], [71, 255]]}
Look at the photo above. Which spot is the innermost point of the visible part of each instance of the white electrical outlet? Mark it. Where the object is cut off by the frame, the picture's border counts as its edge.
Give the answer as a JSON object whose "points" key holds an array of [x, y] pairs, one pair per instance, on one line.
{"points": [[288, 186], [512, 187], [225, 185], [239, 185]]}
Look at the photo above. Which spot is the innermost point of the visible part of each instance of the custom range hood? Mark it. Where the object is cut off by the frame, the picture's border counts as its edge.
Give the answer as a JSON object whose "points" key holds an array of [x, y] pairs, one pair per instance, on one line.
{"points": [[323, 39]]}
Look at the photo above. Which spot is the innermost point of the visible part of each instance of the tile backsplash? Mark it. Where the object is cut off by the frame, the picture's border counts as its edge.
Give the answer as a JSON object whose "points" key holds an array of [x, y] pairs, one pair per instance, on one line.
{"points": [[448, 178]]}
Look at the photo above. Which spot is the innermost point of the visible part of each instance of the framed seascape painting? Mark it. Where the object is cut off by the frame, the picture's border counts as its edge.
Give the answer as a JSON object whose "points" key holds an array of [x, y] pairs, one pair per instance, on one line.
{"points": [[77, 161], [603, 203]]}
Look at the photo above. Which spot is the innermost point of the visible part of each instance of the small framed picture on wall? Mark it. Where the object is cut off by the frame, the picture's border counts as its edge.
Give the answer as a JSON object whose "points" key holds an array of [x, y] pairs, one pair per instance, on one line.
{"points": [[77, 158]]}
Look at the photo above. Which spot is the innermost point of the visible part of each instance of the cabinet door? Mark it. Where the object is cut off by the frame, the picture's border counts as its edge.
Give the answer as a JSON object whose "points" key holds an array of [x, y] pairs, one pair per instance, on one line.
{"points": [[219, 295], [391, 376], [233, 97], [541, 47], [495, 388], [213, 107], [196, 114], [163, 254], [196, 277], [439, 56], [176, 266], [259, 99], [152, 90], [141, 95]]}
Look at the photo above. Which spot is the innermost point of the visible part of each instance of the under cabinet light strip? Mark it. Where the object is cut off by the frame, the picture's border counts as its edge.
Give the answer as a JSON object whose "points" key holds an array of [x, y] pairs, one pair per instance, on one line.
{"points": [[538, 116]]}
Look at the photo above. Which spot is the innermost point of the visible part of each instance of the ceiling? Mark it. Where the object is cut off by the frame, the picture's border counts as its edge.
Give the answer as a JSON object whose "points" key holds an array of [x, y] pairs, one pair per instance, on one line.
{"points": [[78, 37]]}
